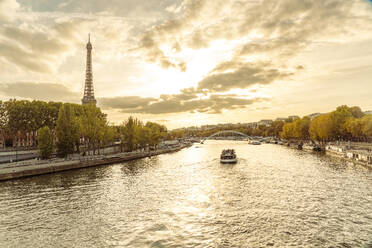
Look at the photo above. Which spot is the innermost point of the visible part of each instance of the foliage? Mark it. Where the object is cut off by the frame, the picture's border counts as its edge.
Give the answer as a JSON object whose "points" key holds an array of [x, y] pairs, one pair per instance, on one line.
{"points": [[343, 123], [129, 133], [298, 129], [26, 116], [45, 142], [134, 134], [367, 125], [3, 119], [3, 115], [67, 130], [70, 122], [93, 126]]}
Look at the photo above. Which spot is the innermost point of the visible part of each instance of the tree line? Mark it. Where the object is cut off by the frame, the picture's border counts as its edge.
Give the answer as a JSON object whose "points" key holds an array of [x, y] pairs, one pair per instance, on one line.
{"points": [[344, 123], [68, 128]]}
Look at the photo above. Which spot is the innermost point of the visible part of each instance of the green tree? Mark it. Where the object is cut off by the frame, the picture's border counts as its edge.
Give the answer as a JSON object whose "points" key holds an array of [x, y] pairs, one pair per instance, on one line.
{"points": [[354, 128], [301, 128], [92, 126], [144, 136], [20, 116], [277, 127], [3, 120], [45, 142], [367, 125], [356, 112], [108, 134], [67, 130], [155, 133], [129, 133]]}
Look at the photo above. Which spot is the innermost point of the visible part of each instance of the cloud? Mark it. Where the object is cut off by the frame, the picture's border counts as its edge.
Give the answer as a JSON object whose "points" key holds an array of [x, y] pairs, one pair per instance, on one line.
{"points": [[263, 39], [279, 30], [38, 48], [187, 101], [127, 8], [8, 9], [243, 75], [41, 43], [167, 31], [40, 91], [126, 102], [32, 50]]}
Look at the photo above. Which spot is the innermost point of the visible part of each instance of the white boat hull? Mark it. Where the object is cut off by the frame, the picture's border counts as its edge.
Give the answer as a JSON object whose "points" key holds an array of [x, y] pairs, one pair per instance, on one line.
{"points": [[228, 161]]}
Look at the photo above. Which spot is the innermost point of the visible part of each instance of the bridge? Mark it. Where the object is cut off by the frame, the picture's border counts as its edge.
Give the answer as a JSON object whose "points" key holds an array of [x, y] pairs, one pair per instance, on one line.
{"points": [[227, 132]]}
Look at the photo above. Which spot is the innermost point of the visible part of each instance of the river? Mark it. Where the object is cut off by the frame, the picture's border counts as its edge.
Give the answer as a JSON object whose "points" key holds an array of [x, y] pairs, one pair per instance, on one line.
{"points": [[273, 197]]}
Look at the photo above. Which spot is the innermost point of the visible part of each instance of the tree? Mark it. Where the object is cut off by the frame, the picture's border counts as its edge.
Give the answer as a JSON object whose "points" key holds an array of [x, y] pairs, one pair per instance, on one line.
{"points": [[20, 116], [277, 127], [301, 127], [179, 133], [67, 130], [367, 125], [3, 115], [45, 142], [4, 118], [108, 134], [129, 133], [92, 126], [144, 136], [288, 130], [322, 128], [354, 127], [356, 112], [155, 133]]}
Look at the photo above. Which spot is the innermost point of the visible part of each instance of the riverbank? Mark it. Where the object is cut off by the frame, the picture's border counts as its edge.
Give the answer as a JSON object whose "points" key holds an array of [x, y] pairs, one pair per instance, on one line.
{"points": [[358, 156], [19, 170]]}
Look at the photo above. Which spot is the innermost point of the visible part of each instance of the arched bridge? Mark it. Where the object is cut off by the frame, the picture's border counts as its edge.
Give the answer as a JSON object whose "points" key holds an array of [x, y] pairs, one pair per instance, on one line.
{"points": [[226, 132]]}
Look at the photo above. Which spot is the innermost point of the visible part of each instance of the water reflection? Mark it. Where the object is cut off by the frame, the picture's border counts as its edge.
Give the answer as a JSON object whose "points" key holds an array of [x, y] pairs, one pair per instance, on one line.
{"points": [[273, 196]]}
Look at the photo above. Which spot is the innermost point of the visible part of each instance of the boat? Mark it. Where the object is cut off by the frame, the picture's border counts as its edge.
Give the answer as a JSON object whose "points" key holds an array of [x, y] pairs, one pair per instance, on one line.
{"points": [[228, 156], [255, 142], [299, 146]]}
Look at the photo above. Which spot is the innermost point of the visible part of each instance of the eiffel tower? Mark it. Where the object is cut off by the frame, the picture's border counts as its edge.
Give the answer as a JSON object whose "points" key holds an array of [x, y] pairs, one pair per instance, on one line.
{"points": [[88, 89]]}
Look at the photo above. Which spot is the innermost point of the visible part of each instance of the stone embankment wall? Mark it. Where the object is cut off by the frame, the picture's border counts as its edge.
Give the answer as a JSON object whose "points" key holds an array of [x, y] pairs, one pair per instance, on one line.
{"points": [[47, 167]]}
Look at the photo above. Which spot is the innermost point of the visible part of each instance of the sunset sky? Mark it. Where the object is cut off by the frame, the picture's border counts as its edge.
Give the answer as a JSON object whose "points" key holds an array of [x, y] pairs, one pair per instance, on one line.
{"points": [[190, 62]]}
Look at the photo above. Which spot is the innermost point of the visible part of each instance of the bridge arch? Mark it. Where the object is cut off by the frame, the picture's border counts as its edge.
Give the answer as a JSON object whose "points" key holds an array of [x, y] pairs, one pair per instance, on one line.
{"points": [[227, 131]]}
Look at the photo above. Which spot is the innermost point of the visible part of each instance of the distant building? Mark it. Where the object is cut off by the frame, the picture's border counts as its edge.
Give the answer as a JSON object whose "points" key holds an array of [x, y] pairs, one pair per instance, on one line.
{"points": [[369, 112], [20, 140], [280, 119], [314, 115], [264, 122], [251, 125], [293, 117]]}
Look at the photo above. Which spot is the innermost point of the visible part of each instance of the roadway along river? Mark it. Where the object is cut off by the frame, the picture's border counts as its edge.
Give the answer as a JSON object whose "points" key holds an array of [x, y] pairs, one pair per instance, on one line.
{"points": [[273, 196]]}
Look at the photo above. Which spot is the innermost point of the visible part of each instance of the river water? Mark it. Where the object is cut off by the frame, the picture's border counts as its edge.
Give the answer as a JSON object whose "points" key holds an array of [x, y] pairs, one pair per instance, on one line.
{"points": [[273, 197]]}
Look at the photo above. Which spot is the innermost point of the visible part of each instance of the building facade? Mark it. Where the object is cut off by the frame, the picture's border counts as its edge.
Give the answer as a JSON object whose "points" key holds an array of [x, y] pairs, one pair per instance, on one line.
{"points": [[20, 140]]}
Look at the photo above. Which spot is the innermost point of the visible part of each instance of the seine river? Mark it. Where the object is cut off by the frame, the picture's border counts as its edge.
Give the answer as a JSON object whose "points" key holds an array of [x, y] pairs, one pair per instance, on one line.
{"points": [[273, 197]]}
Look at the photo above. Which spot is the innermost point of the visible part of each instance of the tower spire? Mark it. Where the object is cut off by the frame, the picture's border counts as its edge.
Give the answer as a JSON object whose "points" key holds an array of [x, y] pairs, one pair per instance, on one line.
{"points": [[88, 89]]}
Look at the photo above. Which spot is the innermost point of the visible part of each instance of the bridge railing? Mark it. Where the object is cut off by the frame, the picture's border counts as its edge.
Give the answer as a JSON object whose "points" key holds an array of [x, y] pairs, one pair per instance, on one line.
{"points": [[225, 132]]}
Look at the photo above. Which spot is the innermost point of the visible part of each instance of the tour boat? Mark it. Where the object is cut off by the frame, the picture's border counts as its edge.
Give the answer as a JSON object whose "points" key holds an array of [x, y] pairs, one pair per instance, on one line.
{"points": [[228, 156]]}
